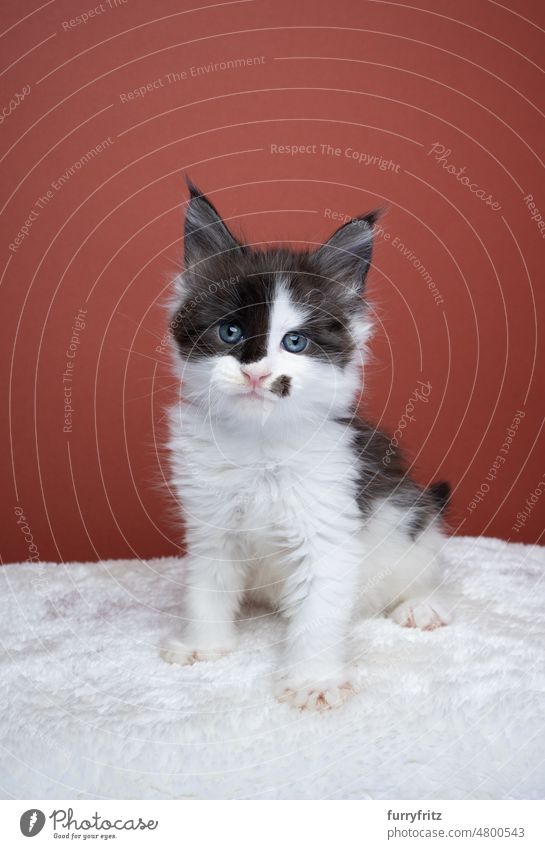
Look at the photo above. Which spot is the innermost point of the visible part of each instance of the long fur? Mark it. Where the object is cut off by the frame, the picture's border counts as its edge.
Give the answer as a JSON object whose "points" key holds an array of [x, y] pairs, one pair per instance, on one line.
{"points": [[287, 496]]}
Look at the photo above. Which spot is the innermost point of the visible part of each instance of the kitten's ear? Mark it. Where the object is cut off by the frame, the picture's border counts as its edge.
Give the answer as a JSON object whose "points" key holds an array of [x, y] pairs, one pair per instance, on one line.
{"points": [[205, 233], [346, 256]]}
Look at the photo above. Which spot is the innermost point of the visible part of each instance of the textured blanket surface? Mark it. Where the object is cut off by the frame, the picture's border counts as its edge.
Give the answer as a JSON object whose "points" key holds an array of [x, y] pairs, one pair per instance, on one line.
{"points": [[89, 709]]}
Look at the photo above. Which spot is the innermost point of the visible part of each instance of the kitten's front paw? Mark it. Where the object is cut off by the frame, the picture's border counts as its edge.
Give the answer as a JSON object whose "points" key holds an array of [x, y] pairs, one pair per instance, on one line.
{"points": [[419, 613], [174, 651], [319, 695]]}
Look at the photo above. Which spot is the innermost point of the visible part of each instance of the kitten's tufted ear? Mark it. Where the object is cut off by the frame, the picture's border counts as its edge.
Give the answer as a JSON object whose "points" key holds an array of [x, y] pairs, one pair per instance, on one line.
{"points": [[346, 256], [205, 235]]}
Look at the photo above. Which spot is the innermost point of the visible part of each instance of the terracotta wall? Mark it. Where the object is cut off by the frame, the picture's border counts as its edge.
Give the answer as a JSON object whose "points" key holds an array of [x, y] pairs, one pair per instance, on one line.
{"points": [[291, 115]]}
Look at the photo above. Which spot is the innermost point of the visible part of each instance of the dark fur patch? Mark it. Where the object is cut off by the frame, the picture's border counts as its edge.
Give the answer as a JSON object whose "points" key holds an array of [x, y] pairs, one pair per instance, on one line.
{"points": [[441, 492], [246, 301], [281, 386], [383, 474]]}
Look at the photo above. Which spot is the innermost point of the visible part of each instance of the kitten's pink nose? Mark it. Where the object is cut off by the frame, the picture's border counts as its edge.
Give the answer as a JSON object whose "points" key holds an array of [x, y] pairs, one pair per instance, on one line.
{"points": [[255, 375]]}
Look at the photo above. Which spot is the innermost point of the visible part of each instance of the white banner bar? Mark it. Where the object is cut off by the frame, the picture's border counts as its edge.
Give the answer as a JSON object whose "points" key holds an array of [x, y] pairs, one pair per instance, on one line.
{"points": [[274, 825]]}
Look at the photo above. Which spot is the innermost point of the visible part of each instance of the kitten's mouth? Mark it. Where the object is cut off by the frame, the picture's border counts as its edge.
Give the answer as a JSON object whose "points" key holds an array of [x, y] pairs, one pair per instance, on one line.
{"points": [[257, 394]]}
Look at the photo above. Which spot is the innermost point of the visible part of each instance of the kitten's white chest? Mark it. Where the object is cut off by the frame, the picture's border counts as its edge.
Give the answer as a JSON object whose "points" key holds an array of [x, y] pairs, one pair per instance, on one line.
{"points": [[265, 495], [237, 477], [261, 490]]}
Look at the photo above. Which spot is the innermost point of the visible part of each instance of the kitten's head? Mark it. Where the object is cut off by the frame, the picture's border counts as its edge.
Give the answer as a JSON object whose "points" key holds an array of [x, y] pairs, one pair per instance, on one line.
{"points": [[270, 335]]}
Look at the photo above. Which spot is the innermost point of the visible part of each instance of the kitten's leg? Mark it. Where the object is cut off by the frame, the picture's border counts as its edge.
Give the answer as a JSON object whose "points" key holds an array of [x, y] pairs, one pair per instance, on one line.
{"points": [[403, 574], [213, 593], [320, 601], [420, 603]]}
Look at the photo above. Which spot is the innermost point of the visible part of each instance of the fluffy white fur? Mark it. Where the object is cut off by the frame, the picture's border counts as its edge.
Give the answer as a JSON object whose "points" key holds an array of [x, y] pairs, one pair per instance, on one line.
{"points": [[268, 487]]}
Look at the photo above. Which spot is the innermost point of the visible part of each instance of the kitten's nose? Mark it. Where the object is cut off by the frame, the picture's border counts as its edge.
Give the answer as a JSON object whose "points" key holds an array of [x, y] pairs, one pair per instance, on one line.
{"points": [[255, 374]]}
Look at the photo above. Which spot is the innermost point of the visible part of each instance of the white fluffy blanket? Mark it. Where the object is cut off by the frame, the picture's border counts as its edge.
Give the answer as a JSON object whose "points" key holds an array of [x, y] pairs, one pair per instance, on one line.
{"points": [[89, 709]]}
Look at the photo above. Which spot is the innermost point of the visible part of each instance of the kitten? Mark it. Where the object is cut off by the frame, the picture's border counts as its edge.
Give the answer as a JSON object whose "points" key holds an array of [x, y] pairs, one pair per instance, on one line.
{"points": [[288, 497]]}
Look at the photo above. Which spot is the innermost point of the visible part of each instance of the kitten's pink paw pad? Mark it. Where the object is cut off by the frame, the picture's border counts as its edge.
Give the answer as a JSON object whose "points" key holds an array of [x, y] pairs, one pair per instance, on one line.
{"points": [[316, 697], [176, 652], [427, 616]]}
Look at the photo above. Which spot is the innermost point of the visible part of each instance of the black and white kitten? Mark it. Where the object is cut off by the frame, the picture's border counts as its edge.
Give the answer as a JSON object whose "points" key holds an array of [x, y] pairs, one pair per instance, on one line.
{"points": [[287, 496]]}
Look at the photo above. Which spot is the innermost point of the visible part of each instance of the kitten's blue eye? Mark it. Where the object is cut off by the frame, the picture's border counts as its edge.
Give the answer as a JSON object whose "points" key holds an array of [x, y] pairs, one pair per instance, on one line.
{"points": [[230, 332], [294, 342]]}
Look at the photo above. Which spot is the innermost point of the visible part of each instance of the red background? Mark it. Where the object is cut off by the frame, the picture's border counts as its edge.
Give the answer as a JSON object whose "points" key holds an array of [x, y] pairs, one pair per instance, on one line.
{"points": [[382, 78]]}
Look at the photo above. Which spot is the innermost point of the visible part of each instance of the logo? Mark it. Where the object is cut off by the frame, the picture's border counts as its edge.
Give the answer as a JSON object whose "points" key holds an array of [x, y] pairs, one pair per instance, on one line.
{"points": [[32, 822]]}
